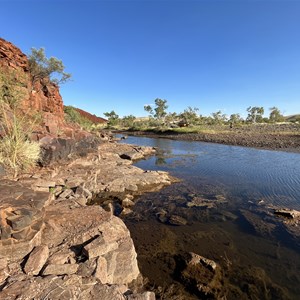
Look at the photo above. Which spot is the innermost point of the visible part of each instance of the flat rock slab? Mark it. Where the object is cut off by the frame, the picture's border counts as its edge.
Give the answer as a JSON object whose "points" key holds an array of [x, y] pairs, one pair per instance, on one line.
{"points": [[65, 269], [91, 232], [36, 260]]}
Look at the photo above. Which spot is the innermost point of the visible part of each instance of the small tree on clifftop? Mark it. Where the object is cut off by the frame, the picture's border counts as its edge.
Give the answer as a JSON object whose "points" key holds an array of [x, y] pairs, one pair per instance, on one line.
{"points": [[41, 67]]}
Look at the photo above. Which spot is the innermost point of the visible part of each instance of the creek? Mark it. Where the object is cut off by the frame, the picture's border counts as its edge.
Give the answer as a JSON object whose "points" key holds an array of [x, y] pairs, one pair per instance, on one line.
{"points": [[235, 227]]}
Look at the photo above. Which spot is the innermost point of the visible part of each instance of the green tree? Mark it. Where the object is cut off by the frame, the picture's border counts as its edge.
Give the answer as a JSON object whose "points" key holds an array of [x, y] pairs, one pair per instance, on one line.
{"points": [[190, 115], [255, 114], [235, 119], [171, 118], [41, 67], [127, 121], [218, 117], [159, 111], [149, 109], [113, 118], [275, 115]]}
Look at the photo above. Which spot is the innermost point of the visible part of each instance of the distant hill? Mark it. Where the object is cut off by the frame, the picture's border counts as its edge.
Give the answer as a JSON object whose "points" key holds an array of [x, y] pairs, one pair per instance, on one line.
{"points": [[92, 118], [292, 118]]}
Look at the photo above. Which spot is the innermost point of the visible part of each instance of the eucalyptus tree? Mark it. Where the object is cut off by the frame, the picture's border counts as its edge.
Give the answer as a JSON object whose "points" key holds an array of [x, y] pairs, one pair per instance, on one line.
{"points": [[235, 119], [113, 118], [218, 117], [275, 115], [160, 110], [128, 121], [190, 115], [41, 67], [255, 114]]}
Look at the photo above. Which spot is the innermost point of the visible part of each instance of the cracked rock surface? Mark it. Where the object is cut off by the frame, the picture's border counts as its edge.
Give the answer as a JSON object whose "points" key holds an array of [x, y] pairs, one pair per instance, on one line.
{"points": [[54, 246]]}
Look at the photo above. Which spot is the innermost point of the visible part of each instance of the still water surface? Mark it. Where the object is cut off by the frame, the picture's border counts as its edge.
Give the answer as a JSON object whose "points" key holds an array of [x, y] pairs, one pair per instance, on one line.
{"points": [[259, 258]]}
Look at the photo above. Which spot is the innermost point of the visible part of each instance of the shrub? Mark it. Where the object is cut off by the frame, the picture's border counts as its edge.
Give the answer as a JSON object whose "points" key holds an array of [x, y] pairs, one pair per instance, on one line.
{"points": [[12, 90], [73, 116], [17, 152]]}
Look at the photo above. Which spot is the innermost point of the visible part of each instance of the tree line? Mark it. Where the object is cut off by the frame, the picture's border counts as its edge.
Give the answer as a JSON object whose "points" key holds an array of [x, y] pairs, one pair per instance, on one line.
{"points": [[158, 116]]}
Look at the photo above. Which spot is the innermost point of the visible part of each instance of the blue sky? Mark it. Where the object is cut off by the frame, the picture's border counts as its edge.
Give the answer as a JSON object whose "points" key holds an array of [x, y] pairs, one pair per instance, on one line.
{"points": [[214, 55]]}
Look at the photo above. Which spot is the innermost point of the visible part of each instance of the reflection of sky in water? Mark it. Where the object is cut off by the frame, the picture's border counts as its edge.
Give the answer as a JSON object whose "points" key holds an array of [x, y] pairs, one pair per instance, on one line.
{"points": [[272, 175]]}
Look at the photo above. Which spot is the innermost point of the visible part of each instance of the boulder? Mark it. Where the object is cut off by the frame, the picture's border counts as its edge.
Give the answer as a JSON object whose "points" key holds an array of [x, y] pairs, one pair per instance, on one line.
{"points": [[92, 233], [203, 276], [288, 213], [58, 149], [259, 222], [99, 247], [36, 260], [177, 220]]}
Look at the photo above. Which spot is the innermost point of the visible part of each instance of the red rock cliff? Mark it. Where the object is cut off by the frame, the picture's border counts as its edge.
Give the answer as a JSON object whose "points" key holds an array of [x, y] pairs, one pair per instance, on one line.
{"points": [[43, 97]]}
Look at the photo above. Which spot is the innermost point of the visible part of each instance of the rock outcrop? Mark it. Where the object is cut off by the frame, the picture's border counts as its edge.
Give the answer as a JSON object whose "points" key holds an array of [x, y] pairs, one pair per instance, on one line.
{"points": [[54, 245], [43, 96]]}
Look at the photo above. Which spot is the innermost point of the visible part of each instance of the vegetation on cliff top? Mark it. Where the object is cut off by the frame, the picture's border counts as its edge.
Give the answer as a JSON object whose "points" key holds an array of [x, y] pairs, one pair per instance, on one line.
{"points": [[41, 67]]}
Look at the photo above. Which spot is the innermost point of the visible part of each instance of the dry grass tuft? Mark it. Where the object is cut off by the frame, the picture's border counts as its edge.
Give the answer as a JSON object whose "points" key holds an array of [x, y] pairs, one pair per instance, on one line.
{"points": [[17, 152]]}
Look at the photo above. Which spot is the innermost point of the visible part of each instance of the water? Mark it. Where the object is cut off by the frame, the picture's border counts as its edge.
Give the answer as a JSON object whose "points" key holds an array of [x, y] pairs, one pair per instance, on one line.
{"points": [[259, 257]]}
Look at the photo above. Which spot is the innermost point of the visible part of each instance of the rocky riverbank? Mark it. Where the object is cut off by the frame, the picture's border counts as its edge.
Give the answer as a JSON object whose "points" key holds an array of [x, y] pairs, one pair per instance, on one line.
{"points": [[280, 137], [55, 246]]}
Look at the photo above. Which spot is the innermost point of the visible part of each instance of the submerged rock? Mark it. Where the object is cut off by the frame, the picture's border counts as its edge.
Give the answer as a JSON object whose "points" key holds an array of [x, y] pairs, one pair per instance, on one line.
{"points": [[199, 201], [203, 276], [177, 220], [261, 224], [288, 213]]}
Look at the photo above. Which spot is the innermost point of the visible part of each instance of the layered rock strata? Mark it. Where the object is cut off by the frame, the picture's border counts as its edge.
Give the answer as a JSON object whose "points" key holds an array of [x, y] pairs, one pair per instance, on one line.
{"points": [[41, 96]]}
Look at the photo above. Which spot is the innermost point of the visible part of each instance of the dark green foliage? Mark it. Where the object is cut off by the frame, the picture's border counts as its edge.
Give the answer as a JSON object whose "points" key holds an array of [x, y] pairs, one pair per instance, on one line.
{"points": [[219, 118], [235, 119], [159, 111], [42, 67], [275, 115], [127, 121], [113, 118], [190, 115]]}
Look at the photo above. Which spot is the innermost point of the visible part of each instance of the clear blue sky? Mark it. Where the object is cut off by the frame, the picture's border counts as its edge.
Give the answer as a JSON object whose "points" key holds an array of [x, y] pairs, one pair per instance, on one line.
{"points": [[214, 55]]}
